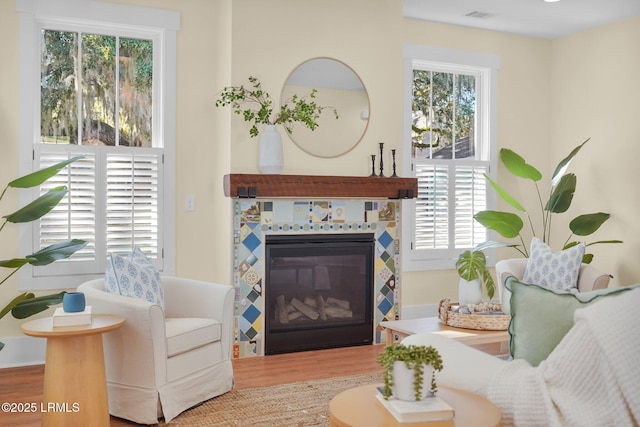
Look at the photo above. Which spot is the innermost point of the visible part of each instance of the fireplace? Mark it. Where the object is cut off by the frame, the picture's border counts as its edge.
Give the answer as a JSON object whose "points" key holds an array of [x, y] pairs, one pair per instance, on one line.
{"points": [[318, 291], [256, 220]]}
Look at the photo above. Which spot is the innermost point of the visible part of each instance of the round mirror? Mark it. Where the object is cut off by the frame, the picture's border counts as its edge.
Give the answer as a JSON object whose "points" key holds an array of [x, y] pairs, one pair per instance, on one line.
{"points": [[338, 87]]}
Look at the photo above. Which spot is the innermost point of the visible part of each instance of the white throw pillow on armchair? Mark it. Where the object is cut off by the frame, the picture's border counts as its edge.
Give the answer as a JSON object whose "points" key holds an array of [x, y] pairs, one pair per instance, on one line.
{"points": [[558, 271], [134, 276]]}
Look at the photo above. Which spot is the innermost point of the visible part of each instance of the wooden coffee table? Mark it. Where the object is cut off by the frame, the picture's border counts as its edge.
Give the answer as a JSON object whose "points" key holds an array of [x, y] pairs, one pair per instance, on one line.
{"points": [[404, 328], [75, 385], [360, 407]]}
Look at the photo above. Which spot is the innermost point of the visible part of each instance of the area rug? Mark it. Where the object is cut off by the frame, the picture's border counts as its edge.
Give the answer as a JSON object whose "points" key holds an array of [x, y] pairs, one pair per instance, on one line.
{"points": [[303, 403]]}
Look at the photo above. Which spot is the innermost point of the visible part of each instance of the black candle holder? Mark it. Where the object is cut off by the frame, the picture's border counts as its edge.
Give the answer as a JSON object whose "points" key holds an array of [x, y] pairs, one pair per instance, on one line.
{"points": [[381, 163], [373, 165], [393, 155]]}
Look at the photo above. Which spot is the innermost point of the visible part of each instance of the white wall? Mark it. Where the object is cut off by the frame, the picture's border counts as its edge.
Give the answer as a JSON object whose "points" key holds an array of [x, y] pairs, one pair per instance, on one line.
{"points": [[595, 93]]}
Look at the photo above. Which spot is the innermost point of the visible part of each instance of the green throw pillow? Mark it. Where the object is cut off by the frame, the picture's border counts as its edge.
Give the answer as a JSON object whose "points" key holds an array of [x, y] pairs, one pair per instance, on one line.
{"points": [[540, 317]]}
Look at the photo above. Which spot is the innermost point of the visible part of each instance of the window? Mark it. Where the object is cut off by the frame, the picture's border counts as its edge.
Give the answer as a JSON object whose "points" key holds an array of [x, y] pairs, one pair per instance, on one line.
{"points": [[449, 147], [97, 84]]}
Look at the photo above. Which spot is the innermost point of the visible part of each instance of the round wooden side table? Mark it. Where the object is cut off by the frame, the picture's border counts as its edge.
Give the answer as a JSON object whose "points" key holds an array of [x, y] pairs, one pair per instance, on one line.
{"points": [[359, 407], [75, 385]]}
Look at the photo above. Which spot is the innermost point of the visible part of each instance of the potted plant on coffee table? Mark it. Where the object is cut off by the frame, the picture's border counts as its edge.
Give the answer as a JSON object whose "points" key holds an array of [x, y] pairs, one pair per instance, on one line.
{"points": [[474, 274], [405, 368], [256, 107]]}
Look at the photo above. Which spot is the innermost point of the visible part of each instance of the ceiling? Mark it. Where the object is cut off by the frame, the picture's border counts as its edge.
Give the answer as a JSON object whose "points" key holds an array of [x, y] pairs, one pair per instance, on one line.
{"points": [[534, 18]]}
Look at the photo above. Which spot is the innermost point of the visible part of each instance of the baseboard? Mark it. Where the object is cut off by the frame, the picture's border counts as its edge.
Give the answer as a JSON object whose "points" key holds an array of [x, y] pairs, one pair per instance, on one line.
{"points": [[22, 351], [418, 311]]}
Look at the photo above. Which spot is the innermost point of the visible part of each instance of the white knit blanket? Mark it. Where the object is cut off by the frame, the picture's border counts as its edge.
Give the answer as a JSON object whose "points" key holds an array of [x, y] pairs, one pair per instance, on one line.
{"points": [[592, 378]]}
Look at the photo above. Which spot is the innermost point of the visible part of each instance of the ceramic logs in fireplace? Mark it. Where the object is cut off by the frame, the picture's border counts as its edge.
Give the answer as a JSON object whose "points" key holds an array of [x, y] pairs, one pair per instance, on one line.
{"points": [[319, 291]]}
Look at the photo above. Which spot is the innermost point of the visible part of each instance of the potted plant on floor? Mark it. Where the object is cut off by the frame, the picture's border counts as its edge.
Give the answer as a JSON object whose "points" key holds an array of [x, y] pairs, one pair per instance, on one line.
{"points": [[27, 304], [562, 188], [405, 368], [256, 107]]}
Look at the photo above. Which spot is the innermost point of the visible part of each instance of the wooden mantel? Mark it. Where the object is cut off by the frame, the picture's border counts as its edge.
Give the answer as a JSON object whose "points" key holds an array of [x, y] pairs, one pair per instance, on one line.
{"points": [[267, 186]]}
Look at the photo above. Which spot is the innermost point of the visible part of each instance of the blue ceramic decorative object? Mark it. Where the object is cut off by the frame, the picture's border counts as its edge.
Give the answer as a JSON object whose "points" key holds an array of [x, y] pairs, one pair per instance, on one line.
{"points": [[73, 302]]}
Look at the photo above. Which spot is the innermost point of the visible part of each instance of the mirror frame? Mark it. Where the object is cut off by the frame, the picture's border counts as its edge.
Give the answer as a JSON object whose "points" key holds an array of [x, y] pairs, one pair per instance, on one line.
{"points": [[368, 110]]}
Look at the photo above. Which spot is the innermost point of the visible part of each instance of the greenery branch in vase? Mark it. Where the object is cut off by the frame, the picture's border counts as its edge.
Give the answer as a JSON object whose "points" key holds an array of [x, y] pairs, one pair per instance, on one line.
{"points": [[256, 106], [27, 304], [414, 358], [562, 189]]}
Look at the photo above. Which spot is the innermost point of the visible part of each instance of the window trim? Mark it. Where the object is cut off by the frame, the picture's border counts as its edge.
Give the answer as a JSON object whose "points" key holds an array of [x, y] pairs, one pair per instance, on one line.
{"points": [[162, 25], [445, 59]]}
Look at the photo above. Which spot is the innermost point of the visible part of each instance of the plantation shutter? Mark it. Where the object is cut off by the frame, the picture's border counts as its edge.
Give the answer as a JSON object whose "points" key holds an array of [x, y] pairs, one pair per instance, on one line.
{"points": [[75, 216], [132, 198], [471, 197], [113, 203], [443, 221], [432, 207]]}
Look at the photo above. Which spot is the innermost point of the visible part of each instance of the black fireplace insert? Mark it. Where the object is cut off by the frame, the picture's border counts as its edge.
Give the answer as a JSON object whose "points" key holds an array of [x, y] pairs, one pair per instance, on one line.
{"points": [[318, 291]]}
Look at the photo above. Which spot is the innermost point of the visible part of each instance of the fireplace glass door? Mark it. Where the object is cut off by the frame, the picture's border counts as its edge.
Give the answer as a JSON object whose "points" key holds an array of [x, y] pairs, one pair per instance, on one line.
{"points": [[318, 291]]}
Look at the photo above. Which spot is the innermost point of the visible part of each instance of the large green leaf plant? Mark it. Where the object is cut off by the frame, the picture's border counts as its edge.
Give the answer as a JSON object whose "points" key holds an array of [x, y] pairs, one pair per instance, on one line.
{"points": [[27, 304], [562, 189]]}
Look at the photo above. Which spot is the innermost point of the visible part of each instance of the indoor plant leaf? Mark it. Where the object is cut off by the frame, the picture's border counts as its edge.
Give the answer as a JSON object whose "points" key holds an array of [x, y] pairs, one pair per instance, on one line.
{"points": [[23, 296], [517, 165], [587, 258], [470, 264], [506, 223], [56, 252], [562, 195], [31, 306], [488, 283], [505, 196], [564, 164], [39, 207], [584, 225], [492, 244], [40, 176], [15, 262]]}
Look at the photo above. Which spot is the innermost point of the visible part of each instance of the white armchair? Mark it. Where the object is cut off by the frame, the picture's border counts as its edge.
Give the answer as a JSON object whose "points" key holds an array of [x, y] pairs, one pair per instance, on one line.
{"points": [[162, 363], [589, 278]]}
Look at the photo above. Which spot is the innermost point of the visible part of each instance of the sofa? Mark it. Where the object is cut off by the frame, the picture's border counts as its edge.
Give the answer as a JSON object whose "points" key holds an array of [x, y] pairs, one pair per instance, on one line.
{"points": [[590, 377]]}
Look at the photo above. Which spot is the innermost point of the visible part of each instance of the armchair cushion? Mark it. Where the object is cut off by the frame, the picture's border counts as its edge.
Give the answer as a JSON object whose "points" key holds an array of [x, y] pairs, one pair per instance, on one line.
{"points": [[185, 334], [554, 270], [540, 317], [134, 276]]}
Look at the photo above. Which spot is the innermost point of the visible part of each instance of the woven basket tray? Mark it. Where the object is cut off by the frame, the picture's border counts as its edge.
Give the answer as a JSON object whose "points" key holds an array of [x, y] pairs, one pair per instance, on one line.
{"points": [[489, 322]]}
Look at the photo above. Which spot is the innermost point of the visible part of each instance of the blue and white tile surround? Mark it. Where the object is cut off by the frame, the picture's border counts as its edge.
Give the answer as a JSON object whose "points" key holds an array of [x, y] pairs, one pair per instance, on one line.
{"points": [[255, 218]]}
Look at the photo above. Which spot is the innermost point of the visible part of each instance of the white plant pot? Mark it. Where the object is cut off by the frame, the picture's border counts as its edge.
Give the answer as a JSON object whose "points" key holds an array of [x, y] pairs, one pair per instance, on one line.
{"points": [[403, 381], [270, 156], [469, 292]]}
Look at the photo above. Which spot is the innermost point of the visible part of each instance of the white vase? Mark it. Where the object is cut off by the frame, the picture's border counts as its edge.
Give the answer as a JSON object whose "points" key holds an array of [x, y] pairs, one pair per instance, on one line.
{"points": [[403, 388], [469, 292], [270, 156]]}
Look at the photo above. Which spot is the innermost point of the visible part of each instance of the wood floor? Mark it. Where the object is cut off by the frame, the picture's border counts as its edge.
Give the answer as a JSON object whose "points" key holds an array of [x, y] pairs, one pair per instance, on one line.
{"points": [[24, 385]]}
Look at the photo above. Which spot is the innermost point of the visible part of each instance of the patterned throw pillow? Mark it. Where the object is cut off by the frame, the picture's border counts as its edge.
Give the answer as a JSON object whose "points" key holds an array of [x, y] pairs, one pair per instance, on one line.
{"points": [[554, 270], [135, 276]]}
